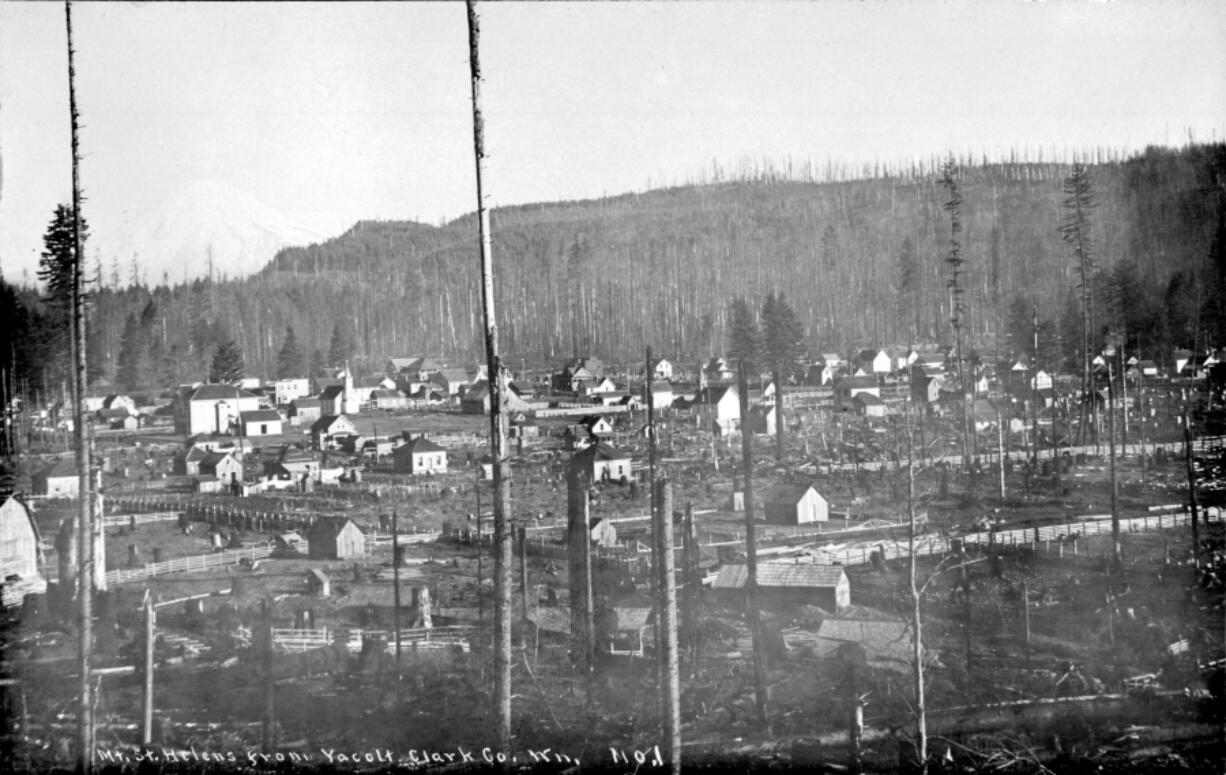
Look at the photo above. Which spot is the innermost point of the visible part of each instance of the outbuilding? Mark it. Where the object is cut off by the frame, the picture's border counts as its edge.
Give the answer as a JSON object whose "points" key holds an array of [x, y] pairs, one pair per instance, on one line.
{"points": [[336, 538], [788, 584], [795, 504], [58, 480]]}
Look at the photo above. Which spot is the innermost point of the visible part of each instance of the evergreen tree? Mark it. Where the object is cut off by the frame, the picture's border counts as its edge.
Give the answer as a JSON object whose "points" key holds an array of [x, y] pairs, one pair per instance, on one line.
{"points": [[291, 364], [340, 348], [957, 303], [133, 368], [783, 346], [744, 337], [55, 266], [908, 290], [227, 365]]}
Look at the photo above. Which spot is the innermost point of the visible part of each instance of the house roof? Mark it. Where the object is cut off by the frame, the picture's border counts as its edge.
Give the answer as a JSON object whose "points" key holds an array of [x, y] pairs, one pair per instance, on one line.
{"points": [[600, 451], [331, 392], [868, 399], [260, 415], [778, 574], [331, 527], [789, 494], [63, 468], [883, 641], [418, 444], [386, 394], [219, 392], [632, 618], [858, 382], [324, 424], [453, 375], [550, 618], [306, 403]]}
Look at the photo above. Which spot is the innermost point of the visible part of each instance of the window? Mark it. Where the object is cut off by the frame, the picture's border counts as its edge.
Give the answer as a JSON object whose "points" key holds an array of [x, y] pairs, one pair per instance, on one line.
{"points": [[263, 429]]}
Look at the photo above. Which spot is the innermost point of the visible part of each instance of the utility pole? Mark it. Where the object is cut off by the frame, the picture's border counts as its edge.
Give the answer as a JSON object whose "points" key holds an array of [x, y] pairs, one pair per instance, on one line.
{"points": [[1116, 554], [85, 532], [1000, 449], [396, 589], [146, 736], [751, 556], [1187, 454], [917, 642], [502, 505], [657, 551]]}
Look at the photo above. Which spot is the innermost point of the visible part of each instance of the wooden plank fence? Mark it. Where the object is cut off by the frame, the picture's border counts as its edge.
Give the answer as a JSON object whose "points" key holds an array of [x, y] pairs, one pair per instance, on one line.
{"points": [[936, 545], [195, 563], [124, 520], [411, 640]]}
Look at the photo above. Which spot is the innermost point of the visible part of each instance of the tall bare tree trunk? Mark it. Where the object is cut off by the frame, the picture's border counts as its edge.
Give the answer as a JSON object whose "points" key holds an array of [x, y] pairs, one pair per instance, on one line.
{"points": [[751, 556], [917, 641], [85, 530], [668, 628], [502, 504]]}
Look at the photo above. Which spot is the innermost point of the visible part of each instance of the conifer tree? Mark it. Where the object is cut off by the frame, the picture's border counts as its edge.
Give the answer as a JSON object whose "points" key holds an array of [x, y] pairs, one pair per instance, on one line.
{"points": [[1075, 230], [783, 346], [291, 363], [227, 365]]}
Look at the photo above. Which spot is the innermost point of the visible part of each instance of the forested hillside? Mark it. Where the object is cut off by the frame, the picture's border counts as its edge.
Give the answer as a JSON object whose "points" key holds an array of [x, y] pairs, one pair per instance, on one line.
{"points": [[861, 261]]}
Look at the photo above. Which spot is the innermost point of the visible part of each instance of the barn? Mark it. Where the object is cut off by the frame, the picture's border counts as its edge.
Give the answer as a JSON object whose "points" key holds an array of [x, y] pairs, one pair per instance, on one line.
{"points": [[19, 541], [784, 584], [336, 539], [795, 504]]}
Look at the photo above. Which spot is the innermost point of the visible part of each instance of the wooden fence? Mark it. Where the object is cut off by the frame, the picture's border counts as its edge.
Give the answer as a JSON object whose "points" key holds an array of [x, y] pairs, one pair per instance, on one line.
{"points": [[411, 640], [124, 520], [937, 545], [195, 563]]}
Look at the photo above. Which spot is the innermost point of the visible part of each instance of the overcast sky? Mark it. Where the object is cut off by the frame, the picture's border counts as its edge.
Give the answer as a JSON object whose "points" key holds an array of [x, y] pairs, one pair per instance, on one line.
{"points": [[332, 113]]}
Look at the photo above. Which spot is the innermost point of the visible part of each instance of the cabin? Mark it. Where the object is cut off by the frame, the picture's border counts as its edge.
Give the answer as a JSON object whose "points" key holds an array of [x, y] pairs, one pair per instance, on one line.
{"points": [[289, 544], [226, 467], [286, 391], [1181, 359], [925, 389], [1042, 380], [326, 431], [477, 400], [819, 373], [212, 408], [625, 630], [602, 463], [791, 584], [58, 480], [262, 422], [662, 396], [20, 544], [794, 504], [718, 370], [419, 456], [336, 538]]}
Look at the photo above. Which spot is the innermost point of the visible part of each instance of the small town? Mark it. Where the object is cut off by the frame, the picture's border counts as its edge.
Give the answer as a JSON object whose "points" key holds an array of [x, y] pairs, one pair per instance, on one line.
{"points": [[775, 465]]}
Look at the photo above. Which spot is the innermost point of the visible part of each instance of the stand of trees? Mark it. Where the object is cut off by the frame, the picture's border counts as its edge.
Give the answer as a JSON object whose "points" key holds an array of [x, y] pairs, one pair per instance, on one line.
{"points": [[861, 261]]}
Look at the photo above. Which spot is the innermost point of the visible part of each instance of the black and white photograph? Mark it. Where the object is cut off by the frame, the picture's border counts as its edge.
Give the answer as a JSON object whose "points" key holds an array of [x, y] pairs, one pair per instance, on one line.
{"points": [[613, 387]]}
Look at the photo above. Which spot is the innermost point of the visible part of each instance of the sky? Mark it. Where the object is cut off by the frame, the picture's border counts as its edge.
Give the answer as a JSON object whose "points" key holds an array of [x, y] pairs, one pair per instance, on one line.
{"points": [[335, 112]]}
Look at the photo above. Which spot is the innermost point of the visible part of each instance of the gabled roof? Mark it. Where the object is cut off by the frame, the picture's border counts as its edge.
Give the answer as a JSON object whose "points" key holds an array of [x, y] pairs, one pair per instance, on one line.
{"points": [[260, 415], [331, 392], [868, 399], [219, 392], [600, 451], [787, 493], [418, 444], [386, 394], [778, 574], [453, 375], [331, 527], [325, 423], [858, 382], [62, 468], [306, 403]]}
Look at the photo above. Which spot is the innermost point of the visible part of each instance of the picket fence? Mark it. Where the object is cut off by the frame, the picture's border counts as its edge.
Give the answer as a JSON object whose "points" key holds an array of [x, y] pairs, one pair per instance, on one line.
{"points": [[418, 639], [195, 563]]}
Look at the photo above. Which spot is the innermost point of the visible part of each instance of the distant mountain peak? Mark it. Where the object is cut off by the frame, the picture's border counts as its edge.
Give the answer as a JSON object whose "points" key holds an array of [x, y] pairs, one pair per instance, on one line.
{"points": [[199, 219]]}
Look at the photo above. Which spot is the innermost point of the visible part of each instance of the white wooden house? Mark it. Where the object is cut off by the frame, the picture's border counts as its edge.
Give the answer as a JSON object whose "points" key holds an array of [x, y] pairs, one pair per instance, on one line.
{"points": [[795, 504]]}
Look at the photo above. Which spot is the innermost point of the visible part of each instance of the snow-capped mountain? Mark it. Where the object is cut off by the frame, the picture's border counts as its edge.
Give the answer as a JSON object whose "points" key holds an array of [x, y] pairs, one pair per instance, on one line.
{"points": [[176, 237]]}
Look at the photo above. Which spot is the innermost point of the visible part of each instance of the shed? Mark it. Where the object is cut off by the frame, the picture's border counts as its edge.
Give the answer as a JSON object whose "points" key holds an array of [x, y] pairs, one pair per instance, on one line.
{"points": [[336, 538], [58, 480], [795, 504], [318, 583], [603, 533], [261, 422], [885, 643], [602, 463], [627, 630], [420, 456], [825, 586]]}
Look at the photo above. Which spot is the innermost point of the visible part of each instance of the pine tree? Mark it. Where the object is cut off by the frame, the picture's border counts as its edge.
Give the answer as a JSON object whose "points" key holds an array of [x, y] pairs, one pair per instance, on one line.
{"points": [[783, 346], [227, 365], [133, 367], [56, 263], [744, 337], [340, 348], [291, 364]]}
